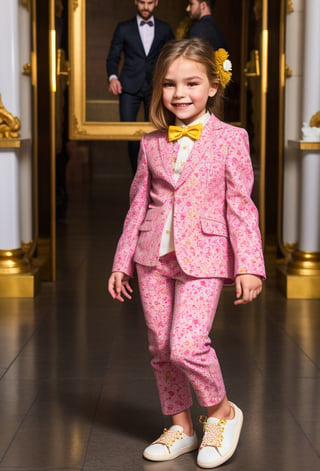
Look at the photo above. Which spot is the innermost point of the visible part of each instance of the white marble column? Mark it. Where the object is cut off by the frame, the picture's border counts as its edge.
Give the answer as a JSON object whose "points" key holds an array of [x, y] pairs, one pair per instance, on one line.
{"points": [[9, 90], [16, 205], [309, 229], [293, 118], [26, 183]]}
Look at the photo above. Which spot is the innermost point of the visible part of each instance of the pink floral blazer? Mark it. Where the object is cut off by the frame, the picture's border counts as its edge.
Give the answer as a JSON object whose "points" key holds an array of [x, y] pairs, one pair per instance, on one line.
{"points": [[216, 231]]}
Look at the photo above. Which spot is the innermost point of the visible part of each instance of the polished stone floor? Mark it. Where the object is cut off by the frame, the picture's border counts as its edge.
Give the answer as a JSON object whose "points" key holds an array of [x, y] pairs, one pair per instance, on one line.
{"points": [[76, 388]]}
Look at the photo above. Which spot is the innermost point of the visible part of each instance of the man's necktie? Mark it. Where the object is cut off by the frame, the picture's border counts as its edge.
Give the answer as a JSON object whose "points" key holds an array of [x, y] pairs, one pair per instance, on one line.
{"points": [[142, 22], [193, 131]]}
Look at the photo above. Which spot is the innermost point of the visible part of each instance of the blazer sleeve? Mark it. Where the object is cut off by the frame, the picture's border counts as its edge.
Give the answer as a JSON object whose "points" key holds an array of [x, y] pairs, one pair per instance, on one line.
{"points": [[139, 201], [116, 48], [242, 214]]}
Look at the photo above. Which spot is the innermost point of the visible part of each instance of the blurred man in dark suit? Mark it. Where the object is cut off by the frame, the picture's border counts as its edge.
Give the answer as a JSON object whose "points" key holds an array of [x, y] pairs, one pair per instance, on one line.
{"points": [[204, 26], [140, 40]]}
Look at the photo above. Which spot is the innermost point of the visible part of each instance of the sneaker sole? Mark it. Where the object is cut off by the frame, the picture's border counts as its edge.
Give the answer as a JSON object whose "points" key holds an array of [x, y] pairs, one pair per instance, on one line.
{"points": [[172, 456]]}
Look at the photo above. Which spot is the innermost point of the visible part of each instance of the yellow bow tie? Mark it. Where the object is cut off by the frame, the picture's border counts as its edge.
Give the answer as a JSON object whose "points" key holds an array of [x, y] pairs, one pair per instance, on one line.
{"points": [[193, 131]]}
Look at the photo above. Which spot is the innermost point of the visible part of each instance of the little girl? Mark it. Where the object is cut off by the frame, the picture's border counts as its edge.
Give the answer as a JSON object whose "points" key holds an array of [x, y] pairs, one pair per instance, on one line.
{"points": [[191, 227]]}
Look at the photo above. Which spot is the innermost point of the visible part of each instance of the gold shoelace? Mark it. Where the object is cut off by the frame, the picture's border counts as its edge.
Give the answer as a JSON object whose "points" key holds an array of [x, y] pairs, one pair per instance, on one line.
{"points": [[168, 438], [213, 433]]}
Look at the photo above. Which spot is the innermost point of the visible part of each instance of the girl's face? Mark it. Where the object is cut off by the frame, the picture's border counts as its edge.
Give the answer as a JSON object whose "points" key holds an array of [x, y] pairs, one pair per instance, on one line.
{"points": [[186, 88]]}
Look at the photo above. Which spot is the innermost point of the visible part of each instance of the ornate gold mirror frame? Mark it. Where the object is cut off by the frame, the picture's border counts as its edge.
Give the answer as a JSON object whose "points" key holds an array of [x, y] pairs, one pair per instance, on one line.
{"points": [[79, 127]]}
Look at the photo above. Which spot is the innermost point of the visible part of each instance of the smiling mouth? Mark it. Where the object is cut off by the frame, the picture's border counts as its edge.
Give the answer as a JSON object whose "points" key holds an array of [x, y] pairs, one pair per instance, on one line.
{"points": [[182, 105]]}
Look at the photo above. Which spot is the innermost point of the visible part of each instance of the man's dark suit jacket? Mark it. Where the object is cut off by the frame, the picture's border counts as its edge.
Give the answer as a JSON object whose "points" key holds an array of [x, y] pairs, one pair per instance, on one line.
{"points": [[207, 29], [137, 67]]}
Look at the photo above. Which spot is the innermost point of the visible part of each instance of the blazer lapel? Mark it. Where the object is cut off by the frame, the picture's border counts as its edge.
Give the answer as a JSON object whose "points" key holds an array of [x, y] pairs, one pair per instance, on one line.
{"points": [[136, 35], [200, 148], [192, 162], [156, 35]]}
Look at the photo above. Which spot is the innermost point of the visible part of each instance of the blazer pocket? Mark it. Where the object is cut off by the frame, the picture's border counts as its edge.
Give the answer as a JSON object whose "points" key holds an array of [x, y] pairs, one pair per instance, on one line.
{"points": [[212, 227], [145, 226]]}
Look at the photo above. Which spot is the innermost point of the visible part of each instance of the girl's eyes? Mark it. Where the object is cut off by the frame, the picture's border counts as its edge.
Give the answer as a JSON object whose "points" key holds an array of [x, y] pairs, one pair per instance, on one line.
{"points": [[170, 84]]}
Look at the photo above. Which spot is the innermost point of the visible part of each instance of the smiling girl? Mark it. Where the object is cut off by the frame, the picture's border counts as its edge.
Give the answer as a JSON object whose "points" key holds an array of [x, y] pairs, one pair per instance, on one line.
{"points": [[191, 226]]}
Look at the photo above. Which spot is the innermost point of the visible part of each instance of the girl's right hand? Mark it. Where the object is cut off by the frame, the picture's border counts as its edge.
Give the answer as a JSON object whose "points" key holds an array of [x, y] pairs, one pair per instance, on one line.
{"points": [[119, 285]]}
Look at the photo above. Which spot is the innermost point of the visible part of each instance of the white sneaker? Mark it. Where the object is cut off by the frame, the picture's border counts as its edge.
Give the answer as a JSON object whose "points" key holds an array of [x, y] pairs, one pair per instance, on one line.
{"points": [[220, 439], [172, 443]]}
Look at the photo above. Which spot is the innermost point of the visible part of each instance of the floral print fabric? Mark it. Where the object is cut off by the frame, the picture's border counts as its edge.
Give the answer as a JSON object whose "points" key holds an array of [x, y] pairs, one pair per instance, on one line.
{"points": [[179, 312]]}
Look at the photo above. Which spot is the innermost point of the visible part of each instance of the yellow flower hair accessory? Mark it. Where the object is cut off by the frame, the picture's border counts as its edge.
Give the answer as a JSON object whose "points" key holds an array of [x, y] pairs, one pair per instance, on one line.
{"points": [[224, 66]]}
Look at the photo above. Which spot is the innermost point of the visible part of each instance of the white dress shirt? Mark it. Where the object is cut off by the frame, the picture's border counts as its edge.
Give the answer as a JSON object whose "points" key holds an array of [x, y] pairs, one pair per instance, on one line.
{"points": [[185, 147], [146, 33]]}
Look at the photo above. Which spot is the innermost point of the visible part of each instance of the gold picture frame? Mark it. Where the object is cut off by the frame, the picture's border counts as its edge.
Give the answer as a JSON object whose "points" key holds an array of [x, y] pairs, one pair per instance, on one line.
{"points": [[79, 127]]}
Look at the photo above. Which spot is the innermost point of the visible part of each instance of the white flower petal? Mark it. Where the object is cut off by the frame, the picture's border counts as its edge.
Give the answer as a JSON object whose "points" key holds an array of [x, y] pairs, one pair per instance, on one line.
{"points": [[227, 65]]}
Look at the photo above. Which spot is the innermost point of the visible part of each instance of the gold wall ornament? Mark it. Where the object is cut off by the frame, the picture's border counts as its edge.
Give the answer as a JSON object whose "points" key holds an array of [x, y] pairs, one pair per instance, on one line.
{"points": [[290, 8], [287, 71], [291, 246], [9, 124], [77, 127], [26, 69], [288, 249], [27, 4], [27, 248]]}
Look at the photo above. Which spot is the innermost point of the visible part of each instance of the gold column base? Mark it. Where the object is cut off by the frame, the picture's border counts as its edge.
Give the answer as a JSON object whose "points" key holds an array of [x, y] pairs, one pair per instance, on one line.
{"points": [[24, 285], [18, 279], [298, 286], [304, 263], [13, 261]]}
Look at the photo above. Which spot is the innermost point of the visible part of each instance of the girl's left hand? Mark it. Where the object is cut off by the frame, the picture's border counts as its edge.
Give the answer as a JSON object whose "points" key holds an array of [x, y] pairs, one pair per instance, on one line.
{"points": [[247, 288]]}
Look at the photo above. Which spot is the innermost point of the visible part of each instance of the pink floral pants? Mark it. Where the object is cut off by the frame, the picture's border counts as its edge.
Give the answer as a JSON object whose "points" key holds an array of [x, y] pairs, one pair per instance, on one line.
{"points": [[179, 312]]}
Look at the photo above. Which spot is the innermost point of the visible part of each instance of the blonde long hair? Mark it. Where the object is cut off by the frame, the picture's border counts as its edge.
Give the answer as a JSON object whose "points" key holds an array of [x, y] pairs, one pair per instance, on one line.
{"points": [[195, 49]]}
